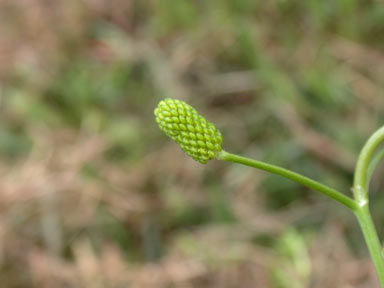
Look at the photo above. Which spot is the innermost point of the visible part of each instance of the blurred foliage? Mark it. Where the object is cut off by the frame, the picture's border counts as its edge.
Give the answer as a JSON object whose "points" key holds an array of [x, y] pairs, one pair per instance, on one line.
{"points": [[94, 195]]}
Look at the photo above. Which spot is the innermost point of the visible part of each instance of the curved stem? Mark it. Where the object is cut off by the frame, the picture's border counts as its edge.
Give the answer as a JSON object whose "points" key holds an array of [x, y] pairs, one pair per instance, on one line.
{"points": [[370, 235], [373, 164], [360, 208], [363, 172], [360, 184], [343, 199]]}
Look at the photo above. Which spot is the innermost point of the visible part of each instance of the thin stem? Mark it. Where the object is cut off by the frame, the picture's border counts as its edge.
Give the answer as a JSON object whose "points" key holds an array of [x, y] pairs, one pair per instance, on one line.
{"points": [[364, 170], [343, 199], [361, 173], [365, 220], [373, 164]]}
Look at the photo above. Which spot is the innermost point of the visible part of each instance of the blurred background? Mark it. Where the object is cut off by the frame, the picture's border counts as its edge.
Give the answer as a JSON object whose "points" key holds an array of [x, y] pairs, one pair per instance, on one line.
{"points": [[93, 194]]}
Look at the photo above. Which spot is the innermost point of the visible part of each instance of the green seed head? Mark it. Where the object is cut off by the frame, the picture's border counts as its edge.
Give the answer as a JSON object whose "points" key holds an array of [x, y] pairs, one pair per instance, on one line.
{"points": [[196, 136]]}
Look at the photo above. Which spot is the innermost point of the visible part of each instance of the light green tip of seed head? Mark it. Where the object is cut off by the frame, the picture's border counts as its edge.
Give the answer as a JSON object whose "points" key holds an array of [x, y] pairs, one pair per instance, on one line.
{"points": [[196, 136]]}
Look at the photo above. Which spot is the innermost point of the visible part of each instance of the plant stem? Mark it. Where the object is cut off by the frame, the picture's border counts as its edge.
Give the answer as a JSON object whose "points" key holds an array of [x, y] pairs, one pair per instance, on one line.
{"points": [[359, 206], [343, 199], [365, 220], [364, 170], [361, 172], [373, 164]]}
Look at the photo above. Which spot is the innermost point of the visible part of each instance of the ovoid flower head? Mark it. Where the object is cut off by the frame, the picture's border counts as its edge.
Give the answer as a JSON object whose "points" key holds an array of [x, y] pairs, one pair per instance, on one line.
{"points": [[196, 136]]}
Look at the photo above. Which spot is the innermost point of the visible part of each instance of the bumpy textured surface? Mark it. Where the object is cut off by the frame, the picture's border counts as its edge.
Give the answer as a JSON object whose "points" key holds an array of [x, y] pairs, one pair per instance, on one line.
{"points": [[196, 136]]}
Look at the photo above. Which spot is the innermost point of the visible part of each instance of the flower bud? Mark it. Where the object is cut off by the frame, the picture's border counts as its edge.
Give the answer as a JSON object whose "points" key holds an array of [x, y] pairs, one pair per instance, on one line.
{"points": [[196, 136]]}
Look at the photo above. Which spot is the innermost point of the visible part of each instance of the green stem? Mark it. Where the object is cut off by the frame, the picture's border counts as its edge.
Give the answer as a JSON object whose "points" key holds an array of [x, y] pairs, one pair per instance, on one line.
{"points": [[365, 220], [359, 205], [361, 173], [373, 164], [343, 199]]}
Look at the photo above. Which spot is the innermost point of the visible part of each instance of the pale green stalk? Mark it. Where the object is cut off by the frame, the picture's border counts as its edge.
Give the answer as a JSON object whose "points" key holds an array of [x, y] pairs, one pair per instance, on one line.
{"points": [[360, 190], [343, 199], [358, 206]]}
